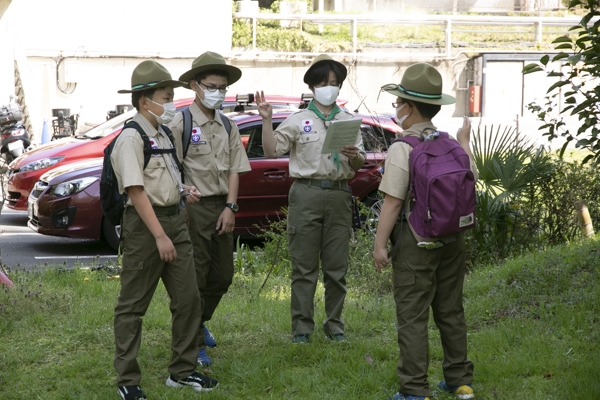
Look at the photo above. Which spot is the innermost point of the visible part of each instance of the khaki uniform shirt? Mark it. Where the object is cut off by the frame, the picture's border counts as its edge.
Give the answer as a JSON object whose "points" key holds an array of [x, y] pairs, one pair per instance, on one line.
{"points": [[213, 154], [395, 180], [303, 134], [157, 178]]}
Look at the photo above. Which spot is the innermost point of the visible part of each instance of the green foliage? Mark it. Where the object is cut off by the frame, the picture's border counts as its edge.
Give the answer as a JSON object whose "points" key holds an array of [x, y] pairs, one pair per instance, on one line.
{"points": [[548, 210], [533, 330], [242, 34], [287, 40], [508, 166], [576, 66]]}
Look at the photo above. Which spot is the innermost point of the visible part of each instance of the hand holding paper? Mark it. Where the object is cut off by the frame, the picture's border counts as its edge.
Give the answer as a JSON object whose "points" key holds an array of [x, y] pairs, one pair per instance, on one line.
{"points": [[341, 133]]}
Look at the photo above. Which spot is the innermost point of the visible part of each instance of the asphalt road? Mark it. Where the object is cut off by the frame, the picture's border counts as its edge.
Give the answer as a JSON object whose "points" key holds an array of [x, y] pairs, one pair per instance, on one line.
{"points": [[21, 248]]}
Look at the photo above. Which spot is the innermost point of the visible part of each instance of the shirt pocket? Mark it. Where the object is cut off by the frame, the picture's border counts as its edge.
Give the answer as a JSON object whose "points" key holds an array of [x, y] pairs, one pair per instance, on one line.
{"points": [[309, 146], [200, 148]]}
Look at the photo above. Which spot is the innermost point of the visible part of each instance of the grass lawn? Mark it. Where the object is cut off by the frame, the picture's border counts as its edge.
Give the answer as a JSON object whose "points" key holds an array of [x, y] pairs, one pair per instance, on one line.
{"points": [[534, 334]]}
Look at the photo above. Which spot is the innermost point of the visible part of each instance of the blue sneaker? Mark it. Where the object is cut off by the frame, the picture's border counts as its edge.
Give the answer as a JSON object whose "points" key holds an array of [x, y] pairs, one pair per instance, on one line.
{"points": [[203, 358], [338, 337], [209, 339], [301, 338], [462, 392], [400, 396]]}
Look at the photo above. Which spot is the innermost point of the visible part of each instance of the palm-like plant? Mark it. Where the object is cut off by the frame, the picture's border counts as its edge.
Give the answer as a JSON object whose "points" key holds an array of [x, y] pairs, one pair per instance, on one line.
{"points": [[508, 166]]}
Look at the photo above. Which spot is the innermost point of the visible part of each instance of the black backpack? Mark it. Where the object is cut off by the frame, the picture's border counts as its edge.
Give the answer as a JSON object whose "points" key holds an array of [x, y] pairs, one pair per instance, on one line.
{"points": [[187, 128], [113, 202]]}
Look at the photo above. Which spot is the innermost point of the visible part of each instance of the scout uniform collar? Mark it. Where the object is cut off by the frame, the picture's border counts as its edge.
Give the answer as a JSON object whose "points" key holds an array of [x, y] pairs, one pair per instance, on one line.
{"points": [[201, 118], [313, 107]]}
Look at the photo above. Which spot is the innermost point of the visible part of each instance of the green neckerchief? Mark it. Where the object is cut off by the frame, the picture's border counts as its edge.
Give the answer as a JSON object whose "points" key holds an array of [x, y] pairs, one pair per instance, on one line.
{"points": [[313, 107]]}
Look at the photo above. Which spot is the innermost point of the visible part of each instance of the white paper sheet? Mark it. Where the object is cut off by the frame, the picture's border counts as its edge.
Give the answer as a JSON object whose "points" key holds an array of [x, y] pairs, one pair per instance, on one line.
{"points": [[340, 134]]}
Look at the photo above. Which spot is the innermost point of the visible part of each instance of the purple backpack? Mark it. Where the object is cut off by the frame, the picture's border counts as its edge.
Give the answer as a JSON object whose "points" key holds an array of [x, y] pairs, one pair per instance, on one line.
{"points": [[441, 188]]}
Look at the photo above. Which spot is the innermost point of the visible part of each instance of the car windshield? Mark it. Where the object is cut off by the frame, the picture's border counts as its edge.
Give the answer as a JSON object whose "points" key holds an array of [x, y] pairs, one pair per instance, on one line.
{"points": [[108, 127]]}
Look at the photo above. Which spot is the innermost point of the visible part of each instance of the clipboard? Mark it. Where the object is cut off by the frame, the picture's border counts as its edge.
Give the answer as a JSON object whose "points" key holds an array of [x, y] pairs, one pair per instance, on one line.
{"points": [[341, 133]]}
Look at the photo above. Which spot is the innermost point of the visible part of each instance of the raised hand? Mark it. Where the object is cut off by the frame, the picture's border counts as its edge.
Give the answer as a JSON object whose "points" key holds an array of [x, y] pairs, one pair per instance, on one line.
{"points": [[265, 110], [464, 133]]}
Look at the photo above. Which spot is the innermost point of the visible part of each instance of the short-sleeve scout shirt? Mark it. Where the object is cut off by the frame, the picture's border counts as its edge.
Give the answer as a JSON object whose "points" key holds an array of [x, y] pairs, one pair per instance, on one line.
{"points": [[395, 178], [157, 178], [303, 134], [212, 155]]}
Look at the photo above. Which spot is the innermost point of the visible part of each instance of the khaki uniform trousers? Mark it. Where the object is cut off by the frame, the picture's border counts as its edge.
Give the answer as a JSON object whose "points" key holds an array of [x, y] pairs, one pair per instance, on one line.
{"points": [[430, 278], [213, 254], [319, 226], [142, 269]]}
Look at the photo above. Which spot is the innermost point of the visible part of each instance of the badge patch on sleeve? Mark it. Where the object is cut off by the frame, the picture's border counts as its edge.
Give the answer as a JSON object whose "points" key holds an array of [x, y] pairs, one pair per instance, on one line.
{"points": [[307, 125], [196, 135]]}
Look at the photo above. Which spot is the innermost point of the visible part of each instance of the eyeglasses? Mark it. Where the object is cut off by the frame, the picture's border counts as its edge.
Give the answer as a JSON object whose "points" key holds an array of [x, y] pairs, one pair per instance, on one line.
{"points": [[212, 89]]}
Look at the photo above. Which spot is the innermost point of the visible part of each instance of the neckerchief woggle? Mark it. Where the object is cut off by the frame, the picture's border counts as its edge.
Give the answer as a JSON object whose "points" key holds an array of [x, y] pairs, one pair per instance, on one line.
{"points": [[313, 107]]}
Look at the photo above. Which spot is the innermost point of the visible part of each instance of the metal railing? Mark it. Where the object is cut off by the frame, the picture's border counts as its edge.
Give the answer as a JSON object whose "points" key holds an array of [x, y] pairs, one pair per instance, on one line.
{"points": [[535, 26]]}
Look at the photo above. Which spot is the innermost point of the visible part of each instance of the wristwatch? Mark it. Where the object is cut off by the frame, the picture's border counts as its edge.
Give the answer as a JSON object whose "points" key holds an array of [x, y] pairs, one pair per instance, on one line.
{"points": [[233, 207]]}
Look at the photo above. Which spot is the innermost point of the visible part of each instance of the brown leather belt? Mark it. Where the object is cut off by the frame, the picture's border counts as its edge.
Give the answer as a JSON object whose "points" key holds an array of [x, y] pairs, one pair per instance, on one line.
{"points": [[325, 184]]}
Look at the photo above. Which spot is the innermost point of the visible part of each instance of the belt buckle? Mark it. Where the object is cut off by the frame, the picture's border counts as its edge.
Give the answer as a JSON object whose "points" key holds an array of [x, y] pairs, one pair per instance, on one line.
{"points": [[430, 245], [326, 185]]}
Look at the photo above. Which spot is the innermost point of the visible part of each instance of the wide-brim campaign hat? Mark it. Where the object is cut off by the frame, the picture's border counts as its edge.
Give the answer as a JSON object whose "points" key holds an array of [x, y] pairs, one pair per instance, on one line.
{"points": [[421, 82], [150, 75], [321, 59], [210, 61]]}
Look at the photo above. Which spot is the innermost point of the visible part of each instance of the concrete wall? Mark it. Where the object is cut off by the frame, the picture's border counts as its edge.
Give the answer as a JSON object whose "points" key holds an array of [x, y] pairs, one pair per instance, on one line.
{"points": [[96, 91]]}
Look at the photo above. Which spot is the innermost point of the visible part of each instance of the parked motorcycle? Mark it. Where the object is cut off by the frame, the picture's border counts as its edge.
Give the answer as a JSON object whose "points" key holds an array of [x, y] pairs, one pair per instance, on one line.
{"points": [[14, 137]]}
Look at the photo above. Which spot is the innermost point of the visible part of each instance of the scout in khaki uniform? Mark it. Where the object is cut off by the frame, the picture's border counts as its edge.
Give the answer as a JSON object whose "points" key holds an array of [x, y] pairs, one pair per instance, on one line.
{"points": [[155, 240], [423, 277], [214, 161], [320, 206]]}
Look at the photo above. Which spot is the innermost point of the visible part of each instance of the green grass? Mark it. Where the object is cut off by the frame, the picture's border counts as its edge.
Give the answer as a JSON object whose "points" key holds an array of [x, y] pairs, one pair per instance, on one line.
{"points": [[534, 327]]}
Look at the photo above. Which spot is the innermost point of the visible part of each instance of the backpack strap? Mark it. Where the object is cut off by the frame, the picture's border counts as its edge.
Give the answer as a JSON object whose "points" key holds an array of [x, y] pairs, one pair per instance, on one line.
{"points": [[226, 123], [172, 139], [148, 150], [187, 128]]}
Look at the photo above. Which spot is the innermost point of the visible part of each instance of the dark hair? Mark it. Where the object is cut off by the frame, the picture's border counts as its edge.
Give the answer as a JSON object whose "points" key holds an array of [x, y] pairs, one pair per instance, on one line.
{"points": [[136, 96], [320, 74], [204, 74], [426, 110]]}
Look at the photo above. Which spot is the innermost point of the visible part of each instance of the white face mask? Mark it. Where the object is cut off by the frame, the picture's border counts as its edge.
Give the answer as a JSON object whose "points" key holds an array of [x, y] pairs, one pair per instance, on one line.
{"points": [[168, 114], [326, 95], [400, 120], [211, 100]]}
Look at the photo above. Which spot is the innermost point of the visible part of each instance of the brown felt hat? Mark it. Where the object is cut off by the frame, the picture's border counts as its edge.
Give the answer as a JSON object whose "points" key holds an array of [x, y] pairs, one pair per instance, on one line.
{"points": [[150, 75], [421, 82], [210, 61], [321, 59]]}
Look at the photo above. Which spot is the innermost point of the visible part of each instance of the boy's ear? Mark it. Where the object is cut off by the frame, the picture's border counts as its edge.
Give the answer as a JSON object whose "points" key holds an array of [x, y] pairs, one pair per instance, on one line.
{"points": [[143, 103]]}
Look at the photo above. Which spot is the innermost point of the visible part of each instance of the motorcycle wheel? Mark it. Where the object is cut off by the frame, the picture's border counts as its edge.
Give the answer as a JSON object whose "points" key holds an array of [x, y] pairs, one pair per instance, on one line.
{"points": [[111, 234]]}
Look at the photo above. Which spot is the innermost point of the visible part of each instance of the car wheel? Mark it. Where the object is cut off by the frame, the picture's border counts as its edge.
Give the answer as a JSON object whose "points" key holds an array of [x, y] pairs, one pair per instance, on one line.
{"points": [[111, 234]]}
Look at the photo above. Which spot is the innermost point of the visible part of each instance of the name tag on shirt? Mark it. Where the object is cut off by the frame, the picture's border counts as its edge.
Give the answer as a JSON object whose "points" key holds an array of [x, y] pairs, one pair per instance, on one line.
{"points": [[197, 136]]}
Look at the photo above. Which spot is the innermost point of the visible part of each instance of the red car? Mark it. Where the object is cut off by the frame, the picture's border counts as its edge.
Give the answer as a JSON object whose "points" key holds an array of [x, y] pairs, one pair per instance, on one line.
{"points": [[66, 201], [26, 170]]}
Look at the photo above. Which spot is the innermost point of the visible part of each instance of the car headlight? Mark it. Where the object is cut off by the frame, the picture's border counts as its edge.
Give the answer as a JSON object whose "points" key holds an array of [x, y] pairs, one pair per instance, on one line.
{"points": [[71, 187], [40, 164]]}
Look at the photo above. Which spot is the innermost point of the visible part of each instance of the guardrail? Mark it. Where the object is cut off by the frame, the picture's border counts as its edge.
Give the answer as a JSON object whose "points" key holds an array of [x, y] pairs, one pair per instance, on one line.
{"points": [[535, 25]]}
